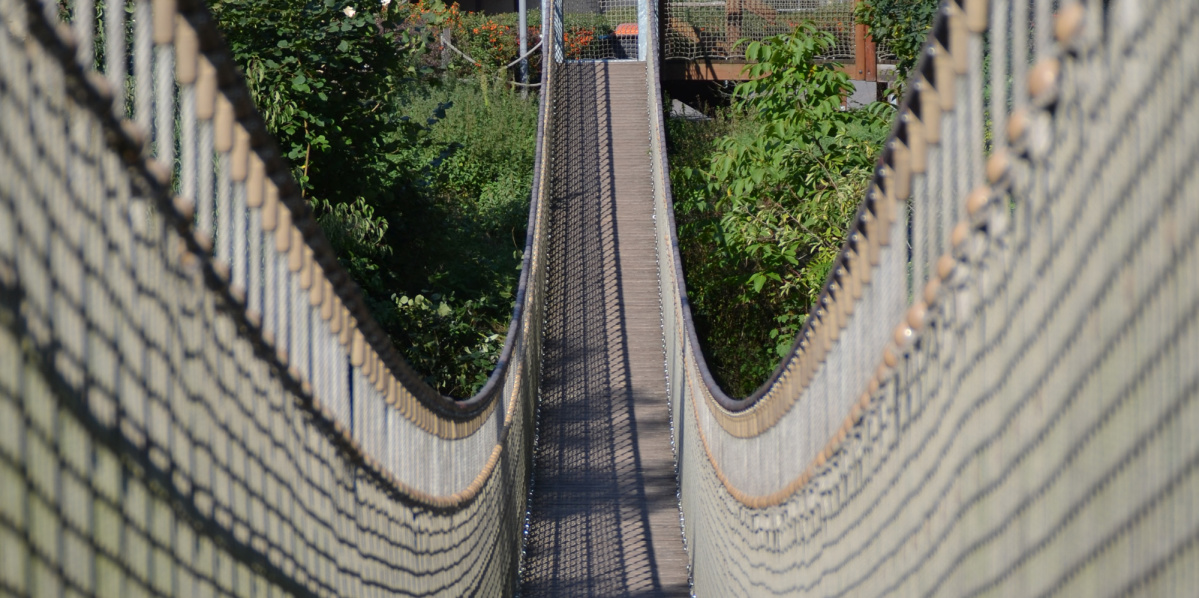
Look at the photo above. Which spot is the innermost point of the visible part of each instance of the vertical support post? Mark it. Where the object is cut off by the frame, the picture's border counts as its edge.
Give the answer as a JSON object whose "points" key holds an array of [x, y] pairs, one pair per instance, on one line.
{"points": [[643, 25], [559, 30], [865, 53], [659, 22], [523, 9]]}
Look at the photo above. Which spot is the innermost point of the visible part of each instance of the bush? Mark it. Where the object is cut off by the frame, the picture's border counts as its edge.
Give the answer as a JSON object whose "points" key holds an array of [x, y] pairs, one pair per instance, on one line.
{"points": [[493, 40], [763, 220], [420, 182], [462, 236], [322, 74]]}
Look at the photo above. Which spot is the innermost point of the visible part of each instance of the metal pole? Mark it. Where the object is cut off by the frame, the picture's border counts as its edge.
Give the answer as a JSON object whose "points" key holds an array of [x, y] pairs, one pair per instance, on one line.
{"points": [[522, 8]]}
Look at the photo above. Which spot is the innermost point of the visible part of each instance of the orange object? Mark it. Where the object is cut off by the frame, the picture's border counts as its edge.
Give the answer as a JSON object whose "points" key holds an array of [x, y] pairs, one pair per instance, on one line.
{"points": [[626, 30]]}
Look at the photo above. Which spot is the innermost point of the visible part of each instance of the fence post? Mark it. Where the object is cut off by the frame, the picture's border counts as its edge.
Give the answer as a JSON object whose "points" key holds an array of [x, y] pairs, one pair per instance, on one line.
{"points": [[865, 53], [523, 9], [643, 24]]}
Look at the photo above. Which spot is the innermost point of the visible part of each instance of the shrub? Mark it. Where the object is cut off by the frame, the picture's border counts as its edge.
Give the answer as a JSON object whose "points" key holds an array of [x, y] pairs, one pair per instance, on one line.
{"points": [[323, 80], [765, 218], [421, 183], [462, 236]]}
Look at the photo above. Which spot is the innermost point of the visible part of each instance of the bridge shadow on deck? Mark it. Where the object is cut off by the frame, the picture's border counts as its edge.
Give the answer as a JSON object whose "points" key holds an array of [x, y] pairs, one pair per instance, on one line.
{"points": [[604, 510]]}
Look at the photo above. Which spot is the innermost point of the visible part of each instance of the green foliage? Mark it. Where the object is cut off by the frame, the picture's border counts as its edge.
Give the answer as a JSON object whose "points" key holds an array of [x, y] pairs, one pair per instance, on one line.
{"points": [[324, 80], [462, 237], [482, 152], [901, 26], [765, 218], [359, 235], [421, 183], [454, 340], [491, 40], [494, 40]]}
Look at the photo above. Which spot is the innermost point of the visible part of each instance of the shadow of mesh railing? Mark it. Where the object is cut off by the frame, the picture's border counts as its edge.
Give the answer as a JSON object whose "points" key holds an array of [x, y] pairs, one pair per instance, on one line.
{"points": [[997, 392], [193, 397], [698, 29]]}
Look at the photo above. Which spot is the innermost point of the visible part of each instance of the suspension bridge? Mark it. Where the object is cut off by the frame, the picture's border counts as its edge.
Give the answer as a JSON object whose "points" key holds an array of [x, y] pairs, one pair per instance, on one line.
{"points": [[995, 394]]}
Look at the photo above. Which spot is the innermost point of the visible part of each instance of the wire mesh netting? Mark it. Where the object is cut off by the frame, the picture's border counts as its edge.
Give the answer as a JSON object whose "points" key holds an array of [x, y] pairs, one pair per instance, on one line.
{"points": [[146, 447], [883, 53], [997, 393], [712, 28], [1027, 428], [599, 29], [189, 404]]}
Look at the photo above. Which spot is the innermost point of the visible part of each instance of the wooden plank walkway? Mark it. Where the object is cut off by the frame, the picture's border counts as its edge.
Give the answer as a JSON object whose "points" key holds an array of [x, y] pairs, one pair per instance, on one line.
{"points": [[604, 513]]}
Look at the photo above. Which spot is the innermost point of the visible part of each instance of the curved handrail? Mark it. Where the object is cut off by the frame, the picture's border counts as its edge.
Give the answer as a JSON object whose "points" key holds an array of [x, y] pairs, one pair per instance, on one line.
{"points": [[133, 332], [1038, 372], [344, 363], [867, 253]]}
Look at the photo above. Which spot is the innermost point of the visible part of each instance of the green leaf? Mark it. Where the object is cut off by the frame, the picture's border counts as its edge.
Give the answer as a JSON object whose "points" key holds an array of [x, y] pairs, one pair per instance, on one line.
{"points": [[757, 281]]}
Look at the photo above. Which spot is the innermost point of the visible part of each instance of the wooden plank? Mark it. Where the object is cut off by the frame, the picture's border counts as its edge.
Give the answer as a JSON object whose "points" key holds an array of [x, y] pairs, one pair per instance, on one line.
{"points": [[865, 67], [604, 519], [704, 70], [720, 70]]}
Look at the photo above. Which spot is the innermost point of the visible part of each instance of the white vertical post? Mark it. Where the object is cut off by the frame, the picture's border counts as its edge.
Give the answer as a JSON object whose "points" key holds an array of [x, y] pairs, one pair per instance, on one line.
{"points": [[523, 9], [643, 24], [558, 31]]}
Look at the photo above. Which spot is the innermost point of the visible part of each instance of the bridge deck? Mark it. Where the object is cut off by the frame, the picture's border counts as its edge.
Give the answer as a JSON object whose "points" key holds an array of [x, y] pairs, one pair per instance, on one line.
{"points": [[605, 519]]}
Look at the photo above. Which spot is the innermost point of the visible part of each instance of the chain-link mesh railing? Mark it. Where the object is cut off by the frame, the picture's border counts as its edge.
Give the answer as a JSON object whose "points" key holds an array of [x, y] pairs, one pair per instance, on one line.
{"points": [[600, 29], [193, 398], [194, 401], [1028, 425], [711, 28]]}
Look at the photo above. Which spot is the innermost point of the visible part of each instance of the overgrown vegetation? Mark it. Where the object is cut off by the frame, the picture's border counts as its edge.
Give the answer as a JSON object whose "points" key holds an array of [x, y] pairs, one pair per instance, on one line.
{"points": [[419, 170], [764, 192], [418, 163], [462, 238], [491, 41], [763, 195]]}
